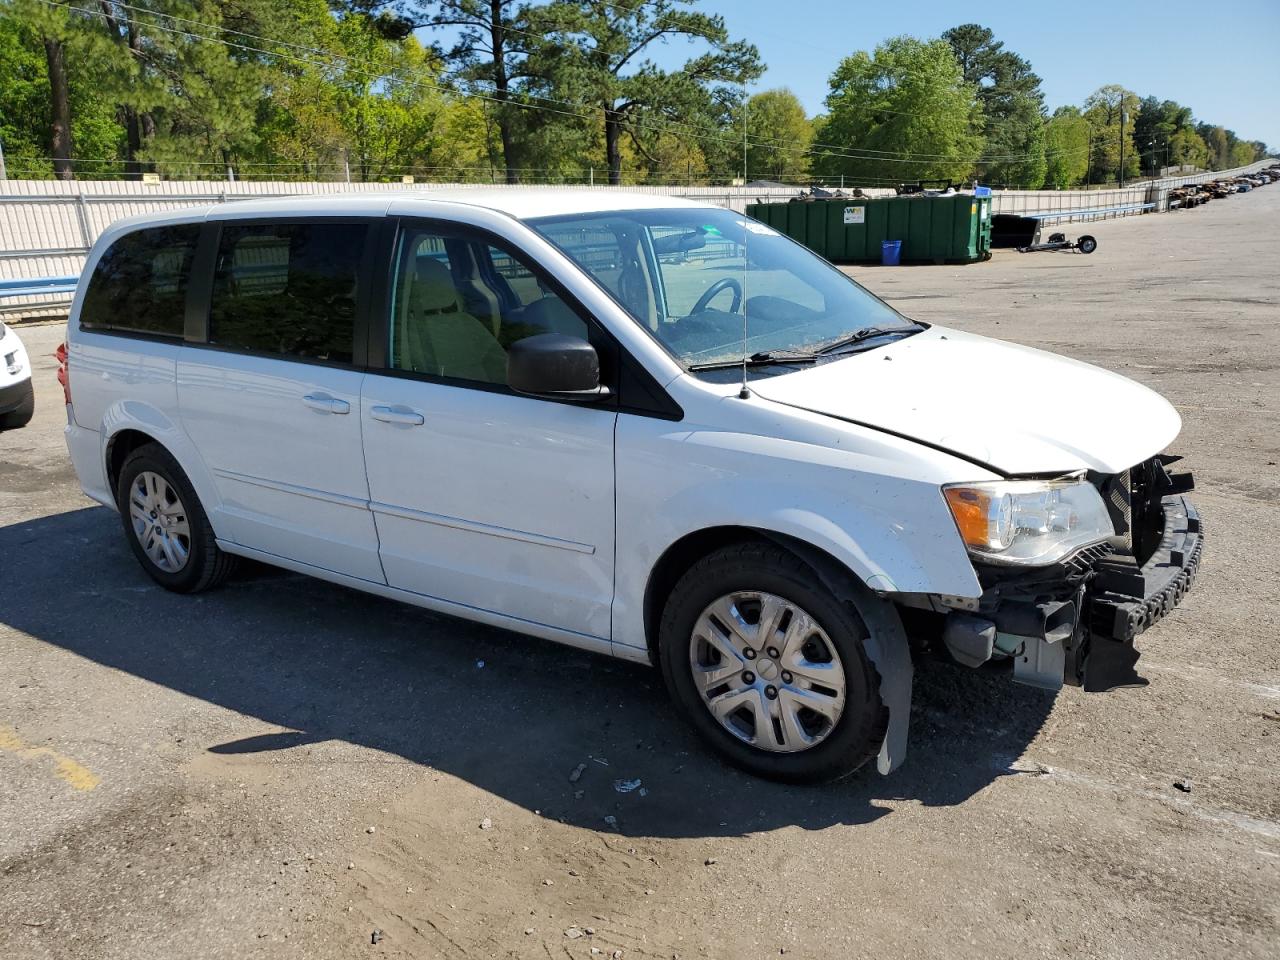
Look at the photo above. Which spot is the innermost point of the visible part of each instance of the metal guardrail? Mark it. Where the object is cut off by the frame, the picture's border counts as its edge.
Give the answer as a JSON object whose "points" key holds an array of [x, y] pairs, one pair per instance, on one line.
{"points": [[36, 286], [1068, 214]]}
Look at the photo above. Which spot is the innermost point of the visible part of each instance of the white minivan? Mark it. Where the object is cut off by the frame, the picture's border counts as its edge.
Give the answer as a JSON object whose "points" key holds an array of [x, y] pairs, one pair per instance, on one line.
{"points": [[638, 425]]}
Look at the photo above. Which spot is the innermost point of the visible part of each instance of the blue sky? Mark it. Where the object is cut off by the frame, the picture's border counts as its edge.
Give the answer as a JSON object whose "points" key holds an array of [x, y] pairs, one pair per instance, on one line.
{"points": [[1222, 61]]}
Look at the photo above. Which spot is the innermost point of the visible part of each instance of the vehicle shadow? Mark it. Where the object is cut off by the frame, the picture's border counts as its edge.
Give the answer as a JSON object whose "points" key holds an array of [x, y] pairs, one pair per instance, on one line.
{"points": [[513, 715]]}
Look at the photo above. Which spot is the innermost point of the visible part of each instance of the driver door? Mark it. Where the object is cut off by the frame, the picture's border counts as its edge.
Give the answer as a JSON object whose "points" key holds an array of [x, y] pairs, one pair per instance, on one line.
{"points": [[483, 497]]}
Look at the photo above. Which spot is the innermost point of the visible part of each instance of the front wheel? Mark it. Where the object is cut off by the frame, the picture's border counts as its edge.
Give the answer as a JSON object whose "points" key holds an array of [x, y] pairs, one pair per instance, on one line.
{"points": [[165, 524], [1087, 244], [770, 668]]}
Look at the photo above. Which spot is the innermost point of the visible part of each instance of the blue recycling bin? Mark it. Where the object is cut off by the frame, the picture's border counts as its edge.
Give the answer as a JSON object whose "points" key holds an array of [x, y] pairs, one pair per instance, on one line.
{"points": [[890, 252]]}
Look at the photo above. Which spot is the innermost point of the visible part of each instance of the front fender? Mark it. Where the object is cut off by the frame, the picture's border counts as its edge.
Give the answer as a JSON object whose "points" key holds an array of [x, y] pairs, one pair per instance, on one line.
{"points": [[875, 506]]}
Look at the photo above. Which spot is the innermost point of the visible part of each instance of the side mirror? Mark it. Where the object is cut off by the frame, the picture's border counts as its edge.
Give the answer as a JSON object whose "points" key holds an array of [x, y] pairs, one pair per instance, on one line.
{"points": [[555, 365]]}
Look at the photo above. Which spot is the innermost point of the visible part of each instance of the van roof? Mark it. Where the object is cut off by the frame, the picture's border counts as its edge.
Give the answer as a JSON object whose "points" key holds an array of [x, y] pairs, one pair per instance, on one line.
{"points": [[523, 203]]}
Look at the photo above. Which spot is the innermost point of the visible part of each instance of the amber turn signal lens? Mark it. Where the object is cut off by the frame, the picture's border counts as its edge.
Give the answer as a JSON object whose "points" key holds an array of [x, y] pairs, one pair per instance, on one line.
{"points": [[972, 510]]}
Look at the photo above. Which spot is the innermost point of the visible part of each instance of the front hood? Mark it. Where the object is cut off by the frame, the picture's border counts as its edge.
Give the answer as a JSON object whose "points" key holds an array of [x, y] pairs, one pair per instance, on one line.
{"points": [[1012, 408]]}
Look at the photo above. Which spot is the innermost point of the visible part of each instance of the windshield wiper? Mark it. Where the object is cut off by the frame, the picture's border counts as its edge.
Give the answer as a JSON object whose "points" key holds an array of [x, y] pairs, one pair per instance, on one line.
{"points": [[866, 333], [762, 359]]}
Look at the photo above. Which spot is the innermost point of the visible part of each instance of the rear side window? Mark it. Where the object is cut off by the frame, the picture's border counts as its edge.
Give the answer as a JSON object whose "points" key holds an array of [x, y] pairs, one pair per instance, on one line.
{"points": [[140, 283], [288, 288]]}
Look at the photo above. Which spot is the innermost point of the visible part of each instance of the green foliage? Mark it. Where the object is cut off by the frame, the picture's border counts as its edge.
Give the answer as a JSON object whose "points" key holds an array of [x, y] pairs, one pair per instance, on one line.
{"points": [[1105, 109], [1066, 148], [1012, 106], [907, 98], [595, 52], [779, 134], [541, 90]]}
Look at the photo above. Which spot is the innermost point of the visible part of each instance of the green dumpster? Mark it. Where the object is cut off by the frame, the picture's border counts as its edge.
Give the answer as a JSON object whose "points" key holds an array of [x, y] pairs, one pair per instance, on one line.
{"points": [[948, 229]]}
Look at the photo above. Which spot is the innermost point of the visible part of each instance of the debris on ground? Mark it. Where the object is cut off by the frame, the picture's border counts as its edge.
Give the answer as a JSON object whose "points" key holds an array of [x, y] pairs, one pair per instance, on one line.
{"points": [[376, 936], [486, 824], [626, 786], [573, 933], [1184, 785], [577, 773]]}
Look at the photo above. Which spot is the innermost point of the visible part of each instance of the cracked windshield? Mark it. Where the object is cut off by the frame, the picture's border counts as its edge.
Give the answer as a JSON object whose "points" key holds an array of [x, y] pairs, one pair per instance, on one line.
{"points": [[697, 278]]}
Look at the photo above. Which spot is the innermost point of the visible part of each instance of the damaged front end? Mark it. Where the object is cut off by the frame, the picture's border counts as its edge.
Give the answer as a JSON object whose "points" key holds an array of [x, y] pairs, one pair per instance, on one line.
{"points": [[1076, 621]]}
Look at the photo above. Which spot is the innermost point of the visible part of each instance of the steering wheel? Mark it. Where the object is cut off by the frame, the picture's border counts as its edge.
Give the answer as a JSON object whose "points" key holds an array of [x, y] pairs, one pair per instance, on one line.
{"points": [[724, 283]]}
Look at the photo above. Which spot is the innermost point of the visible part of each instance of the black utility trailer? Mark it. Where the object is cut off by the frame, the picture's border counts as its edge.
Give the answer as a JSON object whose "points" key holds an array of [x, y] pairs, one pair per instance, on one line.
{"points": [[1059, 241], [1023, 234]]}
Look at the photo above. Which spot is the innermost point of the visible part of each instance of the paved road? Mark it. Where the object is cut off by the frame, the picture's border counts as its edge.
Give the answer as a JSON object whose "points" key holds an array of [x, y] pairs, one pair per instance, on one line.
{"points": [[282, 767]]}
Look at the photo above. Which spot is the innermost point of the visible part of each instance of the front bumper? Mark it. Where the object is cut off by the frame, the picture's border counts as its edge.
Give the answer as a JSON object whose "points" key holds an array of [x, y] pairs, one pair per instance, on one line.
{"points": [[13, 394], [1077, 621]]}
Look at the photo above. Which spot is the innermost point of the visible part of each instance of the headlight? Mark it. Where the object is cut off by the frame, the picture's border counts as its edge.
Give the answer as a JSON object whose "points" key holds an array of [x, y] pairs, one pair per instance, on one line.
{"points": [[1028, 521]]}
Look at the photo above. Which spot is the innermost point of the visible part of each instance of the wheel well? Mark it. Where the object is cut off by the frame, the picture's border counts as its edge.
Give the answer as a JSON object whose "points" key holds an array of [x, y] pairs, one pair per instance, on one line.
{"points": [[119, 448], [691, 548]]}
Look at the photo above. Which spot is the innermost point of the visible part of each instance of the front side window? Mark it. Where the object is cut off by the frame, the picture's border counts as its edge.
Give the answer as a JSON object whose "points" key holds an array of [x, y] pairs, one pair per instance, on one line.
{"points": [[714, 286], [460, 303], [288, 288], [140, 284]]}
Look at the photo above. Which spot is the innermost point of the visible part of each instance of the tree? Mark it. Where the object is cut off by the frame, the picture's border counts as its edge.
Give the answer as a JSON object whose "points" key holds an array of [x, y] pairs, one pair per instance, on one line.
{"points": [[593, 53], [779, 133], [1243, 154], [1012, 105], [904, 111], [1219, 147], [1104, 109], [1066, 148], [493, 47], [1187, 148]]}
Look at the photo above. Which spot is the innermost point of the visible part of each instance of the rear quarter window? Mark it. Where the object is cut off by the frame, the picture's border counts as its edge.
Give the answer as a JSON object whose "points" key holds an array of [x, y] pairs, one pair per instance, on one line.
{"points": [[140, 283]]}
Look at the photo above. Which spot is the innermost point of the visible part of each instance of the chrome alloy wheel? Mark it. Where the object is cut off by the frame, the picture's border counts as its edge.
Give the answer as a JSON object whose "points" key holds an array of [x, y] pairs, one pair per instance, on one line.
{"points": [[159, 521], [767, 671]]}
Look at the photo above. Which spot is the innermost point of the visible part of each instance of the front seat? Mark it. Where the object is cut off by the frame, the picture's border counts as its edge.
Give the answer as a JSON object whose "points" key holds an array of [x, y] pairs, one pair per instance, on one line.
{"points": [[441, 339]]}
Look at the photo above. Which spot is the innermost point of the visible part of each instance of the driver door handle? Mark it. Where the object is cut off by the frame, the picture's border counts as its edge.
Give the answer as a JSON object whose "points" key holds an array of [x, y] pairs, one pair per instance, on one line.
{"points": [[397, 415]]}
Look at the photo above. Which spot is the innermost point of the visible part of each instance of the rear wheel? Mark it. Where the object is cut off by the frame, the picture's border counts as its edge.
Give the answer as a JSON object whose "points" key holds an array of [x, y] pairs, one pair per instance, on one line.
{"points": [[167, 528], [20, 415], [1087, 244], [769, 666]]}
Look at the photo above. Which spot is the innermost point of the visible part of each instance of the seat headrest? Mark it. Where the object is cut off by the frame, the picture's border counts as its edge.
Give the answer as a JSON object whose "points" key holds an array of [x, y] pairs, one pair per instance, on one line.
{"points": [[433, 288]]}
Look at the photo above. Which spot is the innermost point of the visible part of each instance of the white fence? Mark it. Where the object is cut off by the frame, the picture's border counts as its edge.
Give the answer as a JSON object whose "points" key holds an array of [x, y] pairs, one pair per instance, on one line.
{"points": [[47, 226]]}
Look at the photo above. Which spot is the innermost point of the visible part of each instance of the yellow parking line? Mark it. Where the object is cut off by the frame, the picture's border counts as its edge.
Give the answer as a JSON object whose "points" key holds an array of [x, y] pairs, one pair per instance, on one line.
{"points": [[72, 771]]}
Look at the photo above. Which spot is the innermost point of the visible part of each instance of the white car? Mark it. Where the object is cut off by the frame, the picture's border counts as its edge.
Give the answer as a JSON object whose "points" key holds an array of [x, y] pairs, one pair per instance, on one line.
{"points": [[17, 398], [637, 425]]}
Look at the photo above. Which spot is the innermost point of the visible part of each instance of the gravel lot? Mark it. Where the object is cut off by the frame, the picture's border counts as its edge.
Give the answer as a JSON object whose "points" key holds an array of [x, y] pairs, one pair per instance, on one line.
{"points": [[282, 767]]}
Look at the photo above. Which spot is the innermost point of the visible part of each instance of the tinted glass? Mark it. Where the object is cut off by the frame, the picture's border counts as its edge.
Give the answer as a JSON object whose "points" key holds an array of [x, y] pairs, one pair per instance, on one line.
{"points": [[460, 303], [140, 284], [288, 288]]}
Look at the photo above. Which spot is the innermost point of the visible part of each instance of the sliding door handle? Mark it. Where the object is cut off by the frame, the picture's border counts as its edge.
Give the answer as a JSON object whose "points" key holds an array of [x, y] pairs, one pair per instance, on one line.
{"points": [[326, 404], [397, 415]]}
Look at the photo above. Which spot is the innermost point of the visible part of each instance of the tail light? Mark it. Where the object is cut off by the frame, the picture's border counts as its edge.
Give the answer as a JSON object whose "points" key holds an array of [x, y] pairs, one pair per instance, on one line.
{"points": [[64, 376]]}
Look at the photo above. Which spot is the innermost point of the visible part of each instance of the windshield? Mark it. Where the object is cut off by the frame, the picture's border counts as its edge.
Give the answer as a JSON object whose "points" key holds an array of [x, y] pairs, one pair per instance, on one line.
{"points": [[697, 277]]}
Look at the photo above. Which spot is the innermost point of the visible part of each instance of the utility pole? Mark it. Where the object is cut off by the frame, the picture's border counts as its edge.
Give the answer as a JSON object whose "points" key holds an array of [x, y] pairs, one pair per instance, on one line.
{"points": [[744, 134], [1124, 118], [3, 174]]}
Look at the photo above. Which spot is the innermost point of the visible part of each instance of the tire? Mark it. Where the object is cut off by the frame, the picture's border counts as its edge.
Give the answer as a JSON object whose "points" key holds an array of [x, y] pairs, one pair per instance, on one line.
{"points": [[204, 565], [1087, 244], [770, 573], [20, 415]]}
